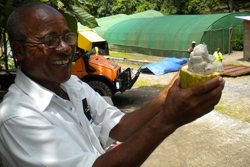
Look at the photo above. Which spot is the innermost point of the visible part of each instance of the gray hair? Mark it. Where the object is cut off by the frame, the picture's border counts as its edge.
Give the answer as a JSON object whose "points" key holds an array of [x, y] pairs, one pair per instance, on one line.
{"points": [[15, 27]]}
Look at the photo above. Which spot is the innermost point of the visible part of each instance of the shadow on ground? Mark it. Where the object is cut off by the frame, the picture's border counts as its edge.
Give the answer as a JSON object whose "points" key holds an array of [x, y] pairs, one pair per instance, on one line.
{"points": [[134, 98], [215, 140]]}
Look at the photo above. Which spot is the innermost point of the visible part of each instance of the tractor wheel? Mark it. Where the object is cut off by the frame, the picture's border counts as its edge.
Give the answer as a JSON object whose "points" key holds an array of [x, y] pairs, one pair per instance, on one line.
{"points": [[102, 88]]}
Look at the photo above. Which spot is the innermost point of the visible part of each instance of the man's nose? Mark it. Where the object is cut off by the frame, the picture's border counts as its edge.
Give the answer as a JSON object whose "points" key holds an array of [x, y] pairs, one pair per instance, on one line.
{"points": [[63, 47]]}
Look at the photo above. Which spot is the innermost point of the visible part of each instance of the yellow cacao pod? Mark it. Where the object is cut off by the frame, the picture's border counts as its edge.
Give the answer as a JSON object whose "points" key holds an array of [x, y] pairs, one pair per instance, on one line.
{"points": [[189, 79]]}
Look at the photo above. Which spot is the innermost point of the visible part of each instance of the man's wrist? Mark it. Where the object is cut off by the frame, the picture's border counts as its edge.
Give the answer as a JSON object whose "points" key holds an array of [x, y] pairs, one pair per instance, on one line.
{"points": [[167, 125]]}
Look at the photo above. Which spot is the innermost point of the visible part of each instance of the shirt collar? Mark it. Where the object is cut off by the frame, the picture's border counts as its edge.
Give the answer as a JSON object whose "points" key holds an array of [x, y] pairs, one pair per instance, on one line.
{"points": [[38, 93]]}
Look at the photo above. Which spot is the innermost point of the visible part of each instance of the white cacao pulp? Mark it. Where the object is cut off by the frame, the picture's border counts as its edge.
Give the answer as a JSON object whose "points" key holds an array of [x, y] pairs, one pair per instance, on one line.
{"points": [[201, 62]]}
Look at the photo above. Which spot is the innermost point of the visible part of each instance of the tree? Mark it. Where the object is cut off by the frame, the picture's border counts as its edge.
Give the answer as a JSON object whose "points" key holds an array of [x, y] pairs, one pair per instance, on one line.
{"points": [[194, 7], [174, 6], [122, 6], [211, 4]]}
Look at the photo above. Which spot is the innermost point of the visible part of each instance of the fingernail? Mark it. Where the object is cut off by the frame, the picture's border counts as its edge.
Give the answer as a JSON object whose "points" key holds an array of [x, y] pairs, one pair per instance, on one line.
{"points": [[220, 79]]}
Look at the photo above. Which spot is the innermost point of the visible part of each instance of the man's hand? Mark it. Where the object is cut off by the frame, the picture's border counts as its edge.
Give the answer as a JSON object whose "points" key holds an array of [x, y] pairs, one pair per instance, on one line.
{"points": [[185, 105]]}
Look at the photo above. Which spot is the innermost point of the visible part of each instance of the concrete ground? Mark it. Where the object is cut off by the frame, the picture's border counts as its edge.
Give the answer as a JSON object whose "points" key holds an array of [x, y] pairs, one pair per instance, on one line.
{"points": [[215, 140]]}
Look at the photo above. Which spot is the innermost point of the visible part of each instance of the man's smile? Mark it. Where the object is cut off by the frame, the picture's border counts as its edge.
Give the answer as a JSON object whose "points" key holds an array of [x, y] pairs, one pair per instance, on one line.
{"points": [[61, 62]]}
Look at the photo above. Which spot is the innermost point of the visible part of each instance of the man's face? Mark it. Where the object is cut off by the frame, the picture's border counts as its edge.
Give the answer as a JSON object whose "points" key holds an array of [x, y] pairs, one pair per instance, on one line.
{"points": [[47, 66]]}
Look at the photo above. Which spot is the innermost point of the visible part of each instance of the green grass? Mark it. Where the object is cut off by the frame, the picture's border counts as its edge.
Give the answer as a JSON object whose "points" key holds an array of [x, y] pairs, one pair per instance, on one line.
{"points": [[141, 83], [234, 63], [127, 64], [237, 109], [135, 56]]}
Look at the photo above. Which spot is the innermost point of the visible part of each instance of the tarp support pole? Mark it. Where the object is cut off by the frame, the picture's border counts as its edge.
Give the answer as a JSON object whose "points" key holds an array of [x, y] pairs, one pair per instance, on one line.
{"points": [[210, 49], [223, 42], [229, 40]]}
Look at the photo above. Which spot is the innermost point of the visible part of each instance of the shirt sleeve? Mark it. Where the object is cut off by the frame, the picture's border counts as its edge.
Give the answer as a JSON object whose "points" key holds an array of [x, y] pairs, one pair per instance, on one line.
{"points": [[104, 115], [215, 54], [221, 56], [33, 141]]}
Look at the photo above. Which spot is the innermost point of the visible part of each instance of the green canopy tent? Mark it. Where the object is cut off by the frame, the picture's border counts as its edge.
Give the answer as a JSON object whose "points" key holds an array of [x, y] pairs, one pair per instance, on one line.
{"points": [[172, 35], [106, 22]]}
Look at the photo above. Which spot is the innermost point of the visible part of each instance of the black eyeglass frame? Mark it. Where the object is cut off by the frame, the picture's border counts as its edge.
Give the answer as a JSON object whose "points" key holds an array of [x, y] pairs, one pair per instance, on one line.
{"points": [[57, 42]]}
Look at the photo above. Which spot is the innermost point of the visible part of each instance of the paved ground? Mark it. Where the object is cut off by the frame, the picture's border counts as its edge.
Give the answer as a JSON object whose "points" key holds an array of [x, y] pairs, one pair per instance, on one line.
{"points": [[215, 140]]}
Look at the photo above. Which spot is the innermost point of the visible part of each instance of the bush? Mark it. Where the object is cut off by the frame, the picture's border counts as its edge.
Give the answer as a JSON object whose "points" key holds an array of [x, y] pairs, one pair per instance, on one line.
{"points": [[237, 42]]}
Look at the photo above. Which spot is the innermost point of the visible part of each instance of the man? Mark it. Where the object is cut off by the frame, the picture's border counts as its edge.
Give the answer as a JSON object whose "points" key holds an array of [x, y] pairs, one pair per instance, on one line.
{"points": [[218, 55], [192, 47], [42, 116]]}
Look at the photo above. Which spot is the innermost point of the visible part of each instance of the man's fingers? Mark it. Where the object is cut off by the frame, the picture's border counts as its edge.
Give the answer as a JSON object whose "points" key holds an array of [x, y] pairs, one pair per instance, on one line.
{"points": [[207, 93], [208, 86], [186, 105]]}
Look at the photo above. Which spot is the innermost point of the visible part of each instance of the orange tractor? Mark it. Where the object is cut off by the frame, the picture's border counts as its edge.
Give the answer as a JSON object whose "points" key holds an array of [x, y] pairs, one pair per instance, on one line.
{"points": [[103, 75]]}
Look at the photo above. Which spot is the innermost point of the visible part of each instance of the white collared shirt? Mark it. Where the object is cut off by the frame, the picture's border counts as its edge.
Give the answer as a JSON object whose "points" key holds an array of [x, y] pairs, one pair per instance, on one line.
{"points": [[39, 128]]}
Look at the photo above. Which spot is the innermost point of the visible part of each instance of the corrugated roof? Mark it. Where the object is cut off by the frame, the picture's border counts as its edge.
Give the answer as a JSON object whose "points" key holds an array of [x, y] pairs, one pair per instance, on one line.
{"points": [[233, 70]]}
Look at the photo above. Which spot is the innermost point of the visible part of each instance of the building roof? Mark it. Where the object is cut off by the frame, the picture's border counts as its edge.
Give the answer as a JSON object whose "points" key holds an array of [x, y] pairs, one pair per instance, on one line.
{"points": [[243, 17]]}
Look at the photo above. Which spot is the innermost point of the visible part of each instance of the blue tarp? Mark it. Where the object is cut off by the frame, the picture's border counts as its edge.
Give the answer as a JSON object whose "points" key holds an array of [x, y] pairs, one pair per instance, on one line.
{"points": [[169, 64]]}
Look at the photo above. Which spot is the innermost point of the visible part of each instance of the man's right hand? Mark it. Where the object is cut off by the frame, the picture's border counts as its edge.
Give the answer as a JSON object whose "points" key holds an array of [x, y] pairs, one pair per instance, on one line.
{"points": [[183, 106]]}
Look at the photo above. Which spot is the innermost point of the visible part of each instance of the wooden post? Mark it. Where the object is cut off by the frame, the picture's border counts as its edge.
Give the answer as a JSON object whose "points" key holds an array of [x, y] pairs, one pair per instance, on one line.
{"points": [[246, 39], [230, 39]]}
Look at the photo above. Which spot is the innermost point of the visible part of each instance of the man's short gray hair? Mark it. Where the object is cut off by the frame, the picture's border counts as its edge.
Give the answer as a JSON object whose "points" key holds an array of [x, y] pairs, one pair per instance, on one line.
{"points": [[15, 27]]}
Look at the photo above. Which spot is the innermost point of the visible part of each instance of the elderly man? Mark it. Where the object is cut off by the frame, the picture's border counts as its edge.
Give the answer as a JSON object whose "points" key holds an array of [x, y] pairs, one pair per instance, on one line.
{"points": [[42, 116]]}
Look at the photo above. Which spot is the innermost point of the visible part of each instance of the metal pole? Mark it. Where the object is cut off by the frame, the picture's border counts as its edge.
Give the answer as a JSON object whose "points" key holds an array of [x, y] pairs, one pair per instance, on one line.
{"points": [[210, 50], [223, 42]]}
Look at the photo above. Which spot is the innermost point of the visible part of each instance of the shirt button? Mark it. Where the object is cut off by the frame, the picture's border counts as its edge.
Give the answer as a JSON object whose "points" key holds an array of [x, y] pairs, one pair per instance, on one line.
{"points": [[70, 109]]}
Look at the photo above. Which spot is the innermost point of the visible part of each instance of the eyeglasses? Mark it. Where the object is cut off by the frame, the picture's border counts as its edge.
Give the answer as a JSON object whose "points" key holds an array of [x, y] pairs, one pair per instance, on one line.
{"points": [[52, 40]]}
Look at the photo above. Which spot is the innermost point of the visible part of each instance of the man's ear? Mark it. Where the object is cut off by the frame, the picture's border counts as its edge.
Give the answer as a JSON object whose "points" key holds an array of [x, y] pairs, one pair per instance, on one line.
{"points": [[18, 50]]}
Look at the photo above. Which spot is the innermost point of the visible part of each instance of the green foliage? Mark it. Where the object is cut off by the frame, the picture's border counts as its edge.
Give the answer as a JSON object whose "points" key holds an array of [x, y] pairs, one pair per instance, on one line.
{"points": [[76, 11], [211, 4], [11, 63], [195, 7], [237, 42], [73, 10], [144, 6], [103, 8]]}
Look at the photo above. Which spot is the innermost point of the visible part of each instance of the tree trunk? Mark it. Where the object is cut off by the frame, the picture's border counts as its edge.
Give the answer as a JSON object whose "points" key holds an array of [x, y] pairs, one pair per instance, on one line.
{"points": [[5, 52], [231, 6]]}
